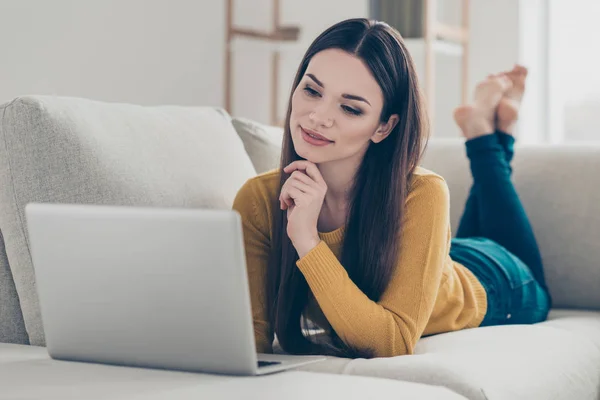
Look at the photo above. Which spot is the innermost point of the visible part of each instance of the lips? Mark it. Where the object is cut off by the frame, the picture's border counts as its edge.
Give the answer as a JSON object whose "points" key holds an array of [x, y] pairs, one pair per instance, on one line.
{"points": [[313, 141], [315, 135]]}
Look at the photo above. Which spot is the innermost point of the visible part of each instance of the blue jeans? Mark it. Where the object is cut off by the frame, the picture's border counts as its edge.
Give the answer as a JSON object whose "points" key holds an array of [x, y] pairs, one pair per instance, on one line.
{"points": [[495, 239]]}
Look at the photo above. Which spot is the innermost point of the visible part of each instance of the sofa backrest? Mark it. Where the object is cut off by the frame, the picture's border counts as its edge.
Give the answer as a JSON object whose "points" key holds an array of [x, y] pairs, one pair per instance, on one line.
{"points": [[70, 150], [559, 187]]}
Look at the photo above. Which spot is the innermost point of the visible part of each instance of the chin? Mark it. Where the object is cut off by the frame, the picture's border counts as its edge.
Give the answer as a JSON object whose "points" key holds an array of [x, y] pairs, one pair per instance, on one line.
{"points": [[303, 152], [307, 154]]}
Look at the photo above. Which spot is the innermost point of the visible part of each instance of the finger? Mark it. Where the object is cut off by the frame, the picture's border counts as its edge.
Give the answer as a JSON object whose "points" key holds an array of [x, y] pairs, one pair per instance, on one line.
{"points": [[302, 177], [300, 181], [298, 165], [310, 168], [301, 186], [283, 196], [295, 194], [286, 198], [282, 202]]}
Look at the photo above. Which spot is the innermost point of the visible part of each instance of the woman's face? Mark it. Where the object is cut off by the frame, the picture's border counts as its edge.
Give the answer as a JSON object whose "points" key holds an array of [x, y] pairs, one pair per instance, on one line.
{"points": [[338, 100]]}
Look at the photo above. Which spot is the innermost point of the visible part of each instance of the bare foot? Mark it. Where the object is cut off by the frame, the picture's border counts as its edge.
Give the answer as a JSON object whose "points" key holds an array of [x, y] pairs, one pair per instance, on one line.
{"points": [[508, 108], [469, 120], [478, 118]]}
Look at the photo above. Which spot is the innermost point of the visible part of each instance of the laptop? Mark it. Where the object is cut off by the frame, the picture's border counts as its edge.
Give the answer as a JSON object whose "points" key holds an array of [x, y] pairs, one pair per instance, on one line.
{"points": [[149, 287]]}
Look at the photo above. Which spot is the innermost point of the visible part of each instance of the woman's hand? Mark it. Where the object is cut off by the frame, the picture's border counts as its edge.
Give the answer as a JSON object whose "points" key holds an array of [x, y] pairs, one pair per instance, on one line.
{"points": [[302, 195]]}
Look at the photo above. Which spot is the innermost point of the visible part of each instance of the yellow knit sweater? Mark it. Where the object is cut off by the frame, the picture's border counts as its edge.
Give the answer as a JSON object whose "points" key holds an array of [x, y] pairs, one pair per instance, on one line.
{"points": [[428, 292]]}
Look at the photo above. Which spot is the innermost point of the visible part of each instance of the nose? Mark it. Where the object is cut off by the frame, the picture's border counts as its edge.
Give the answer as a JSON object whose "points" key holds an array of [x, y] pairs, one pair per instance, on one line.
{"points": [[320, 116]]}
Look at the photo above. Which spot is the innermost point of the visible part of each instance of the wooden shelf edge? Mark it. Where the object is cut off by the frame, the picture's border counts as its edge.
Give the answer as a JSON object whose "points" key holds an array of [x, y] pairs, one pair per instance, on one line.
{"points": [[282, 33], [417, 46], [451, 33]]}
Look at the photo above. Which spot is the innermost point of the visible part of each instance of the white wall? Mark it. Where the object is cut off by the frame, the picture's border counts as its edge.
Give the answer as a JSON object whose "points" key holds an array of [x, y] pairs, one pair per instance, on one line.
{"points": [[494, 37], [507, 32], [534, 21], [139, 51], [152, 51], [573, 79]]}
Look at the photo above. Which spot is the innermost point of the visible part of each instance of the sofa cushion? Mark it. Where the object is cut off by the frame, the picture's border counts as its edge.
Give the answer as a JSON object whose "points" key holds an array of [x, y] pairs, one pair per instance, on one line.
{"points": [[26, 372], [555, 359], [579, 322], [69, 150], [262, 143], [559, 186], [12, 327], [423, 369], [522, 361]]}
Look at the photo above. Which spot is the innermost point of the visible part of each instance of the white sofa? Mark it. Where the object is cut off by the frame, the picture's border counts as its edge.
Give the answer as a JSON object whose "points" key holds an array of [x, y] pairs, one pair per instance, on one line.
{"points": [[57, 149]]}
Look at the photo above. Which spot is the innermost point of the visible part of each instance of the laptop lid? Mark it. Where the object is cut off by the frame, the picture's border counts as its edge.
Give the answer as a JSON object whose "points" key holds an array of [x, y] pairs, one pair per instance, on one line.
{"points": [[151, 287]]}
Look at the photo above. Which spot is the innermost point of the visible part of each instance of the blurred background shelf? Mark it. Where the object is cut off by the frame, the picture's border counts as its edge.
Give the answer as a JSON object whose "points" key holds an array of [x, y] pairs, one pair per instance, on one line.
{"points": [[418, 47], [436, 33], [275, 35]]}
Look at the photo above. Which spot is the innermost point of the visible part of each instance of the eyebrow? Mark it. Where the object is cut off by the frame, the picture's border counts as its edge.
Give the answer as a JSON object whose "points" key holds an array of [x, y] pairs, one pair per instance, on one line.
{"points": [[345, 95]]}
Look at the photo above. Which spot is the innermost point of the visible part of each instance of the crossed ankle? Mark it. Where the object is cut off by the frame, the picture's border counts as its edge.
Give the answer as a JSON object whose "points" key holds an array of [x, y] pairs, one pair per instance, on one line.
{"points": [[475, 133], [488, 141]]}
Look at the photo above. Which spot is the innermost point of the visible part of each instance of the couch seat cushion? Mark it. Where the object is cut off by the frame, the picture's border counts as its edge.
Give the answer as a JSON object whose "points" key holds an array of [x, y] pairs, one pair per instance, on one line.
{"points": [[28, 373], [556, 359]]}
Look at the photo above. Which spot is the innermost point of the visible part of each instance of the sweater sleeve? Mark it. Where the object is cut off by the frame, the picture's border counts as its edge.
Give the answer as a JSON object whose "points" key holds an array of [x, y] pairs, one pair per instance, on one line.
{"points": [[256, 230], [393, 325]]}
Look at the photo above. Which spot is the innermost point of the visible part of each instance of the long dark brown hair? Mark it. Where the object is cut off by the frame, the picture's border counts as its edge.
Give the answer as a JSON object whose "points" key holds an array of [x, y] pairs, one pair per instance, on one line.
{"points": [[376, 202]]}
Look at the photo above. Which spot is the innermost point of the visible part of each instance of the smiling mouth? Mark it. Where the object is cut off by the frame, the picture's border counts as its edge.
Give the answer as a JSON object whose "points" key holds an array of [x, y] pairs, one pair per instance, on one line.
{"points": [[314, 136]]}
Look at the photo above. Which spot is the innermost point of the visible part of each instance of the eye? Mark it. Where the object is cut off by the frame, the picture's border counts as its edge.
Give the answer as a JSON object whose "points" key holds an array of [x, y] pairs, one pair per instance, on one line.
{"points": [[311, 92], [352, 111]]}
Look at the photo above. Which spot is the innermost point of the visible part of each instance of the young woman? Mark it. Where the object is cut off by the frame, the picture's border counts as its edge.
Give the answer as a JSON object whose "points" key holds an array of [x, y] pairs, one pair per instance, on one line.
{"points": [[353, 235]]}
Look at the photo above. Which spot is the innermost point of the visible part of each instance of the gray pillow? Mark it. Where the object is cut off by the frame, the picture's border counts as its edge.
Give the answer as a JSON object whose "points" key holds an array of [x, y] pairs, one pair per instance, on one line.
{"points": [[262, 143], [12, 327], [69, 150]]}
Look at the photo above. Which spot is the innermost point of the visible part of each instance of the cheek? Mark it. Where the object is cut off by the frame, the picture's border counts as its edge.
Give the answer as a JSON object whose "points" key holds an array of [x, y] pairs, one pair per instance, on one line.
{"points": [[297, 106], [300, 104], [357, 130]]}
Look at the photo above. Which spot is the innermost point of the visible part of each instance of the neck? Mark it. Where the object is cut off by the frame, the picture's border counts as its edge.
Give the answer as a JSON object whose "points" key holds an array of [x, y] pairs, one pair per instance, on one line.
{"points": [[339, 177]]}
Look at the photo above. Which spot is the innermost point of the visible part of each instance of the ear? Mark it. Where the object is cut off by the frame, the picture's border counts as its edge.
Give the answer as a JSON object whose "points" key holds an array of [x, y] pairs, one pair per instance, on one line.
{"points": [[385, 128]]}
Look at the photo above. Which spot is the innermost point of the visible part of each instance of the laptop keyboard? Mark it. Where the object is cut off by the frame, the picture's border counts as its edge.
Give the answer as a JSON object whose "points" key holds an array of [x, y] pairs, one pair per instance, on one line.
{"points": [[267, 363]]}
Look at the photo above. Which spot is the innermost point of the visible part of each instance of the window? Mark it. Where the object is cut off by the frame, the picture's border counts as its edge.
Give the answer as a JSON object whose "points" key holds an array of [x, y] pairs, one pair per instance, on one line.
{"points": [[573, 70]]}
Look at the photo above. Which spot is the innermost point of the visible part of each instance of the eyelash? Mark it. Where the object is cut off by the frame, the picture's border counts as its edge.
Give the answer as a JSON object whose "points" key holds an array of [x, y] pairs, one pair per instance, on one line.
{"points": [[351, 110], [313, 93]]}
